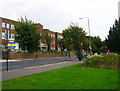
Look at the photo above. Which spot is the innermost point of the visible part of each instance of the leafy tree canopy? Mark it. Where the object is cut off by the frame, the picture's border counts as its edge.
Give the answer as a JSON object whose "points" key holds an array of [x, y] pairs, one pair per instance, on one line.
{"points": [[67, 38], [28, 35], [96, 44], [62, 44], [74, 36], [113, 39]]}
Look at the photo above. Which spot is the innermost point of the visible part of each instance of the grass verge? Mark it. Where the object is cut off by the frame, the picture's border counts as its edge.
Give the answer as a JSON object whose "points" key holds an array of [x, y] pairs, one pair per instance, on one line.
{"points": [[71, 77]]}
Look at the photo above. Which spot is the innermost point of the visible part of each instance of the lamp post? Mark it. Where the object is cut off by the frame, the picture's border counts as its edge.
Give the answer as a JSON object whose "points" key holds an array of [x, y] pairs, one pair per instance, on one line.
{"points": [[89, 32], [7, 50]]}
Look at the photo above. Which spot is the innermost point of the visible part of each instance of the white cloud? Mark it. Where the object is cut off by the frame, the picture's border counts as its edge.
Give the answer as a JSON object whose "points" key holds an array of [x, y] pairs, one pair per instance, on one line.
{"points": [[56, 15]]}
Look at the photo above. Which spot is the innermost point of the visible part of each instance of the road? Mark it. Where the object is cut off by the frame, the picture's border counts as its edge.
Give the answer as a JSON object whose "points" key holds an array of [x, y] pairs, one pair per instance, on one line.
{"points": [[31, 63]]}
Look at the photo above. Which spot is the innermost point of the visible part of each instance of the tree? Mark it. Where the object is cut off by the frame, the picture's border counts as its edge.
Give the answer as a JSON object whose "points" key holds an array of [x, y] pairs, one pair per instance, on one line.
{"points": [[74, 36], [96, 44], [28, 35], [78, 39], [113, 39], [62, 44], [103, 48], [56, 44], [68, 40], [86, 44]]}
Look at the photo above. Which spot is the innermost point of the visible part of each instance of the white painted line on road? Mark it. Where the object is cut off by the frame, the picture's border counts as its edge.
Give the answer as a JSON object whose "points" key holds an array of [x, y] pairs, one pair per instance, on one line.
{"points": [[27, 68], [45, 65]]}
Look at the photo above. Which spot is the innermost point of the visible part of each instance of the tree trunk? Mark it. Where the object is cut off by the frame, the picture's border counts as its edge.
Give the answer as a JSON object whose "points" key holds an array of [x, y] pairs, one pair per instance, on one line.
{"points": [[79, 58], [48, 47], [69, 53]]}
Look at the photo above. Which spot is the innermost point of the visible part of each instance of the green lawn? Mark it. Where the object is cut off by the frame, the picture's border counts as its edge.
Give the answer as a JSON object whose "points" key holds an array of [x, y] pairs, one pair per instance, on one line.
{"points": [[71, 77]]}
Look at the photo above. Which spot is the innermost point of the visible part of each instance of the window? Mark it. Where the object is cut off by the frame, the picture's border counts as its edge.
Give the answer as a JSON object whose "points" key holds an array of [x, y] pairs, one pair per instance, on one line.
{"points": [[54, 35], [53, 42], [59, 49], [48, 34], [40, 34], [3, 24], [12, 26], [51, 35], [59, 36], [51, 48], [12, 36], [7, 25], [3, 35], [6, 33]]}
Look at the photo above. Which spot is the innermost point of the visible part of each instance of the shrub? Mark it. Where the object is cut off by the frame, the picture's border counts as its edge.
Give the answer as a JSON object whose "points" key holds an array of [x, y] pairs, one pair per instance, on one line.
{"points": [[106, 61], [56, 51], [41, 50]]}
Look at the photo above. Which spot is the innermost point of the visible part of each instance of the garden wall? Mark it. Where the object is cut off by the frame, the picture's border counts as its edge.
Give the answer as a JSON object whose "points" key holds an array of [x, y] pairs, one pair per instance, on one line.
{"points": [[35, 55]]}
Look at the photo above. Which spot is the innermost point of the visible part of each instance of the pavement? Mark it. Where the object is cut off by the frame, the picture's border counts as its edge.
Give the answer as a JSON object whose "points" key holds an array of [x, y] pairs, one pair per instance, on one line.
{"points": [[36, 69]]}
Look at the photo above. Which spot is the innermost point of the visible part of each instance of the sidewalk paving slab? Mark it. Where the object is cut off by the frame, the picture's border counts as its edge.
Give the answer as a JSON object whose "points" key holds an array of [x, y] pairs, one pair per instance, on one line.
{"points": [[31, 70]]}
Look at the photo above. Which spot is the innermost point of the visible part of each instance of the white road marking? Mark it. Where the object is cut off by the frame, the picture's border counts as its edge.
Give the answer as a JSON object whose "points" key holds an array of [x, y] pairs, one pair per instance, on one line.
{"points": [[45, 65]]}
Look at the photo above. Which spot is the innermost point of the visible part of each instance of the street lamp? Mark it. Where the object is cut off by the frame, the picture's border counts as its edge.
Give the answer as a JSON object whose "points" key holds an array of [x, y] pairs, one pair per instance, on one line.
{"points": [[7, 50], [89, 32]]}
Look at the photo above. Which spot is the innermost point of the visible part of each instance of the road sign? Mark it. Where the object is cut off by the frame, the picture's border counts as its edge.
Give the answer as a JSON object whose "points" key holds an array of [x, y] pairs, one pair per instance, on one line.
{"points": [[17, 45], [11, 45], [11, 40]]}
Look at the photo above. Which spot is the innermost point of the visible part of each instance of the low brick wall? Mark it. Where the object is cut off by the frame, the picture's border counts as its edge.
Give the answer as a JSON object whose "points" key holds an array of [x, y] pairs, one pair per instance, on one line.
{"points": [[4, 54], [35, 55]]}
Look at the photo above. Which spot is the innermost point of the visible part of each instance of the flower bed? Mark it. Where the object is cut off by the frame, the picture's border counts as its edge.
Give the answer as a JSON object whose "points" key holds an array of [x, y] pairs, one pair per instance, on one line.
{"points": [[110, 61]]}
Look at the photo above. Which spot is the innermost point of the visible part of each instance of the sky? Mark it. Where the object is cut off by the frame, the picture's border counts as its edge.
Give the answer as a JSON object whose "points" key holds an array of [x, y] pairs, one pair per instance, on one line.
{"points": [[57, 15]]}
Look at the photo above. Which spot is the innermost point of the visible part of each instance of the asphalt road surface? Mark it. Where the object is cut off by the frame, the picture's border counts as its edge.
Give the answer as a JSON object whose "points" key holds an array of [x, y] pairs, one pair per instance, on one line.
{"points": [[31, 63]]}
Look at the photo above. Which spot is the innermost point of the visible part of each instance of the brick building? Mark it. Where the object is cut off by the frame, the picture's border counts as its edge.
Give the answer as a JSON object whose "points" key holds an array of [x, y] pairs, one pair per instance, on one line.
{"points": [[7, 25]]}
